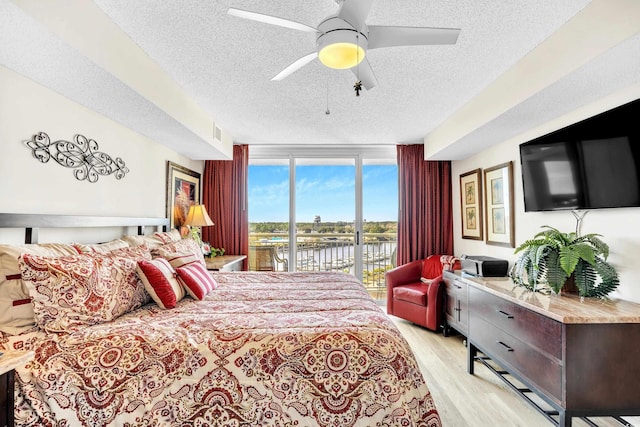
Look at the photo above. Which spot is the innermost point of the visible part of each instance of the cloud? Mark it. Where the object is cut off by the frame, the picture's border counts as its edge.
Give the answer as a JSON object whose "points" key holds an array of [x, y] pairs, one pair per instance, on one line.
{"points": [[276, 193]]}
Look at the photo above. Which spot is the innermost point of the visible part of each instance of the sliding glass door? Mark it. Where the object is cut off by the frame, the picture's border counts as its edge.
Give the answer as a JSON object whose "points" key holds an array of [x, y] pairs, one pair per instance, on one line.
{"points": [[325, 212], [269, 215], [313, 213]]}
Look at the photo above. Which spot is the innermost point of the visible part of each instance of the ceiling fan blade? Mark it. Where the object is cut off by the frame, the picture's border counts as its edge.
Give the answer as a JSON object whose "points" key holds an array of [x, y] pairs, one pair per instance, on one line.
{"points": [[295, 66], [268, 19], [355, 12], [366, 75], [381, 36]]}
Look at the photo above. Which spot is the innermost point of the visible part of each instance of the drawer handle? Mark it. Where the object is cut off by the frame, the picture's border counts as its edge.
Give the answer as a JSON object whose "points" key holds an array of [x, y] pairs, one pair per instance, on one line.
{"points": [[505, 314], [458, 286], [505, 346]]}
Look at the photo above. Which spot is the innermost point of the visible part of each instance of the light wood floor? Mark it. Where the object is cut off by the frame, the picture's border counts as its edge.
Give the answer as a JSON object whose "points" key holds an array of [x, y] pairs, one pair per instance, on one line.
{"points": [[479, 400]]}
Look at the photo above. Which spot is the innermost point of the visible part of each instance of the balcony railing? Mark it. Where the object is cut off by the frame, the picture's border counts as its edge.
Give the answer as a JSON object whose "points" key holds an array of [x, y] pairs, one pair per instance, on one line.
{"points": [[333, 252]]}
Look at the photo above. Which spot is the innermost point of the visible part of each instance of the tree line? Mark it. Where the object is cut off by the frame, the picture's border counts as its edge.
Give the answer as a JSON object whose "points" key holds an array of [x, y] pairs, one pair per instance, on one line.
{"points": [[324, 227]]}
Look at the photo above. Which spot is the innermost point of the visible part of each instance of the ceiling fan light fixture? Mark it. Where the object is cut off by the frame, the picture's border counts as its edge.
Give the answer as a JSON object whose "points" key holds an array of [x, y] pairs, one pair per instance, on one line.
{"points": [[339, 45], [341, 55]]}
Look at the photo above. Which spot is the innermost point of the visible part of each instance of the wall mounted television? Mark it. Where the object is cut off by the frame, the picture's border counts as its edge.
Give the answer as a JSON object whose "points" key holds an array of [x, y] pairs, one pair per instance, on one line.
{"points": [[594, 163]]}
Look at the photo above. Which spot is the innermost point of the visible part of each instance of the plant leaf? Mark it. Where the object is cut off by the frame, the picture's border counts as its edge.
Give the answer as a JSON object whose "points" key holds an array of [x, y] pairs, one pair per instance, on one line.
{"points": [[554, 273], [586, 277], [609, 276], [568, 259], [599, 247]]}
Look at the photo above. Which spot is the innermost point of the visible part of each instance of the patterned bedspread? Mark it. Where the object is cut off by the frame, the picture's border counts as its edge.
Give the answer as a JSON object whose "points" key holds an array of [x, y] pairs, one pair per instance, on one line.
{"points": [[264, 349]]}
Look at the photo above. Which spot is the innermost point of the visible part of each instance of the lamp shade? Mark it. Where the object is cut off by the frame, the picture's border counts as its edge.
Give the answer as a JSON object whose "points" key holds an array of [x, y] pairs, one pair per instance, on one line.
{"points": [[198, 216]]}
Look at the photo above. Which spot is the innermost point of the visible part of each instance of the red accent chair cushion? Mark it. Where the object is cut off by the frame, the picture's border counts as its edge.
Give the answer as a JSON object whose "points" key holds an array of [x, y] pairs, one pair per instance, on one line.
{"points": [[415, 291], [416, 294]]}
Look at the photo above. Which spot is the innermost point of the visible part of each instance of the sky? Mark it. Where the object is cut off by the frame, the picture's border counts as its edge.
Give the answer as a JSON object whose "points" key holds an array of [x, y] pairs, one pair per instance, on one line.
{"points": [[327, 191]]}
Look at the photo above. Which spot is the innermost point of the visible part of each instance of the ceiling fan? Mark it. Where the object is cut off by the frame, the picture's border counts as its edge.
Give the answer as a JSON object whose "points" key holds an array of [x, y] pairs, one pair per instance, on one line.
{"points": [[343, 39]]}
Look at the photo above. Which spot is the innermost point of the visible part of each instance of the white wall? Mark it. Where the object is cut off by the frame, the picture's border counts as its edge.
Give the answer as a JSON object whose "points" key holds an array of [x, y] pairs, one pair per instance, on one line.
{"points": [[620, 227], [28, 186]]}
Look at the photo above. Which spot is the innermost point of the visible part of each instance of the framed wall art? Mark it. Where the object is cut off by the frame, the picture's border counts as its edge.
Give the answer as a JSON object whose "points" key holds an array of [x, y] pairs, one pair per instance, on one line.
{"points": [[471, 204], [183, 190], [498, 191]]}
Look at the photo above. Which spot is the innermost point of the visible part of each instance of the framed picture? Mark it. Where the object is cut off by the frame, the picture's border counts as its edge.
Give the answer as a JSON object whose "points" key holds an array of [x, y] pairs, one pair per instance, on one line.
{"points": [[498, 191], [471, 204], [183, 190]]}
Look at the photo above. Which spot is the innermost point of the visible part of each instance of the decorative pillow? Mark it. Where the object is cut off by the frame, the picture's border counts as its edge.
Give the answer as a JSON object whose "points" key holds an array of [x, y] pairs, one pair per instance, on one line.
{"points": [[167, 236], [449, 262], [433, 265], [101, 248], [71, 292], [16, 311], [136, 240], [154, 240], [137, 253], [196, 280], [159, 280], [181, 253]]}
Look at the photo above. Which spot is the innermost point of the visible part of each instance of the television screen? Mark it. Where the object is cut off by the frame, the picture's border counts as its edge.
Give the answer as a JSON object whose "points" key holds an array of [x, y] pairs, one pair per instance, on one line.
{"points": [[592, 164]]}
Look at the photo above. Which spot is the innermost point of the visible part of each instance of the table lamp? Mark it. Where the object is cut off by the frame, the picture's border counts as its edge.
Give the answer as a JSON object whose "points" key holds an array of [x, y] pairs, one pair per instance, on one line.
{"points": [[196, 218]]}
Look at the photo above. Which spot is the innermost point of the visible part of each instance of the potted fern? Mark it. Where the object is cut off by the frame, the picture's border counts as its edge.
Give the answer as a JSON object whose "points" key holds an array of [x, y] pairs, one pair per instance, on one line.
{"points": [[558, 260]]}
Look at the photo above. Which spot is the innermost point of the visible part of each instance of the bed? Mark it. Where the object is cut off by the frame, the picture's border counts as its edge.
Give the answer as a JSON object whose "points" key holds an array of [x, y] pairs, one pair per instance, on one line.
{"points": [[261, 349]]}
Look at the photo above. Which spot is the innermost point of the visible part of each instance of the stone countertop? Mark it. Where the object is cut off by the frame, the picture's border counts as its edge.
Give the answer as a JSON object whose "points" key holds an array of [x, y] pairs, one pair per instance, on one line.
{"points": [[11, 359], [563, 308]]}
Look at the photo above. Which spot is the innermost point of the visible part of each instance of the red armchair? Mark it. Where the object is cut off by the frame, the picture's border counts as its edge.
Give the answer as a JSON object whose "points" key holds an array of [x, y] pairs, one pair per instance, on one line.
{"points": [[415, 291]]}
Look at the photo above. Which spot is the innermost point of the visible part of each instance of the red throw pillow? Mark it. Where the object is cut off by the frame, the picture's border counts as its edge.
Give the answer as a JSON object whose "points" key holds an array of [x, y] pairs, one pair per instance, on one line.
{"points": [[196, 280], [159, 280], [431, 267]]}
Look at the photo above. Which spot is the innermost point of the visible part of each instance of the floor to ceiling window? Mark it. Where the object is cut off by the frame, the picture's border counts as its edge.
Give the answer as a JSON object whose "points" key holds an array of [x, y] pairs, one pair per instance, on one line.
{"points": [[269, 215], [314, 213], [379, 222], [325, 212]]}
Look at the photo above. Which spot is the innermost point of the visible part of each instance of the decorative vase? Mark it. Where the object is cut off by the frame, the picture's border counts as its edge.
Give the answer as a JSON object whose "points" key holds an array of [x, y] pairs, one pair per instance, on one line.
{"points": [[569, 286]]}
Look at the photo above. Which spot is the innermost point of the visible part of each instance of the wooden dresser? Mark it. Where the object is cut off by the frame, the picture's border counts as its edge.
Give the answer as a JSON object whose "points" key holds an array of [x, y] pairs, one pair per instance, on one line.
{"points": [[581, 356]]}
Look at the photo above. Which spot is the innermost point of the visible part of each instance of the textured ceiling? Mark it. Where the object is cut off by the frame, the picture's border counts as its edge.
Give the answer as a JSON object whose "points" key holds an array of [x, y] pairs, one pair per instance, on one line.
{"points": [[225, 64]]}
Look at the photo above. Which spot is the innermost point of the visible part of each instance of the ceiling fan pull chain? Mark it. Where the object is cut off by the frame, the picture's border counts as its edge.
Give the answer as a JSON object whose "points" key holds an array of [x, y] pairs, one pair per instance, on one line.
{"points": [[358, 56], [358, 85], [327, 112]]}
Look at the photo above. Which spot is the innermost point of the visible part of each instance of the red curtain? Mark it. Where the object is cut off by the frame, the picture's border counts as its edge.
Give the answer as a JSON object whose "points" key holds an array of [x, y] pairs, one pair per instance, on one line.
{"points": [[224, 194], [425, 220]]}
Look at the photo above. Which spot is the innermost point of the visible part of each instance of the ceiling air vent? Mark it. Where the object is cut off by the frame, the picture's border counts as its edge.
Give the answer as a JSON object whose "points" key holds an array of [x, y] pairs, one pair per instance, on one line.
{"points": [[217, 133]]}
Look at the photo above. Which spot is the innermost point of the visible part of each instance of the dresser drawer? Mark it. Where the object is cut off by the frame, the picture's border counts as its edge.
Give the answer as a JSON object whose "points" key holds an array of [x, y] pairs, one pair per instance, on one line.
{"points": [[456, 310], [517, 356], [538, 331], [456, 290]]}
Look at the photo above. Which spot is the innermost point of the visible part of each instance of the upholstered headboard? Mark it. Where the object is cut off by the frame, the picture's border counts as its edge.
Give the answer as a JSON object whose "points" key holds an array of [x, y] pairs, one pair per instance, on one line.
{"points": [[32, 222]]}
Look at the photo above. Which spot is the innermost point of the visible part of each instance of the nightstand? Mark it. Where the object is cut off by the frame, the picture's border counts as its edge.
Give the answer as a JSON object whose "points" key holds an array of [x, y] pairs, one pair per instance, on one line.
{"points": [[225, 262], [9, 361]]}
